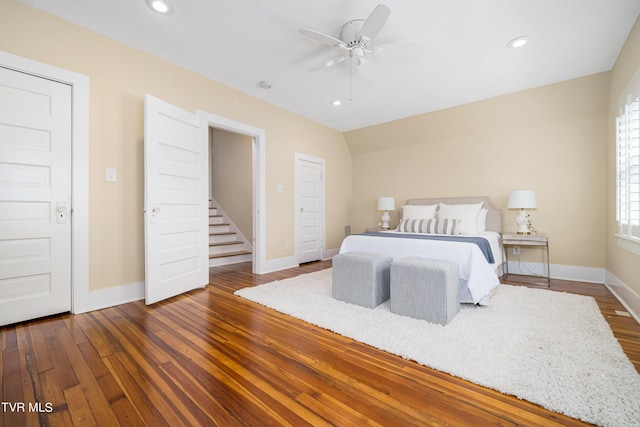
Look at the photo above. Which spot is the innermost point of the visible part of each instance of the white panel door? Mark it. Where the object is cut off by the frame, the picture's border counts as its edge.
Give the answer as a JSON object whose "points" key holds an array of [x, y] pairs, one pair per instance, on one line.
{"points": [[35, 197], [176, 201], [310, 208]]}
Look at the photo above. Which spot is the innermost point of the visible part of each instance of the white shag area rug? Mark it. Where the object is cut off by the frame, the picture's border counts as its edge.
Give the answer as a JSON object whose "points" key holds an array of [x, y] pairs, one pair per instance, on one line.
{"points": [[550, 348]]}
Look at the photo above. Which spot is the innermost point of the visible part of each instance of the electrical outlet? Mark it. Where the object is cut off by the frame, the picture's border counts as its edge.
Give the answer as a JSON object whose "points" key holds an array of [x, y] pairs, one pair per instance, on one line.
{"points": [[516, 250], [286, 246]]}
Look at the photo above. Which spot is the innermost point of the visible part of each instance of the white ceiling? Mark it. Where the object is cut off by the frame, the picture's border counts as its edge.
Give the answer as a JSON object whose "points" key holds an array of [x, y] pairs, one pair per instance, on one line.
{"points": [[463, 58]]}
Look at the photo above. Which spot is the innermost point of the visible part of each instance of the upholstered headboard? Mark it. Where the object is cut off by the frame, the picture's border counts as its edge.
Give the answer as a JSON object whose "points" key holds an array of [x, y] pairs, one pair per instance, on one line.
{"points": [[494, 216]]}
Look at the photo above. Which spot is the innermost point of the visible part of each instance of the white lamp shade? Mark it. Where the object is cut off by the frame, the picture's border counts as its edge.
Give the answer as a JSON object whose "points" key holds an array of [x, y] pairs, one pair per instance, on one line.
{"points": [[522, 199], [386, 204]]}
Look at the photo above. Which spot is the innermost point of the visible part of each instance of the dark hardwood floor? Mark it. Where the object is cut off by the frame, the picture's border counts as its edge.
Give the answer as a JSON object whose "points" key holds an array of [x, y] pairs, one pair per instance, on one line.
{"points": [[210, 358]]}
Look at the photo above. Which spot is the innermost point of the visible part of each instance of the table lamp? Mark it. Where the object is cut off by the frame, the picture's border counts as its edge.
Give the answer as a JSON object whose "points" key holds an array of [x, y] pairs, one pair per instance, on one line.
{"points": [[386, 204], [523, 199]]}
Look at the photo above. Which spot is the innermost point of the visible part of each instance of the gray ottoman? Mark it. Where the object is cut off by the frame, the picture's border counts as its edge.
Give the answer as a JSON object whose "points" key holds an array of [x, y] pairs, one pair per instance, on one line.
{"points": [[425, 289], [361, 278]]}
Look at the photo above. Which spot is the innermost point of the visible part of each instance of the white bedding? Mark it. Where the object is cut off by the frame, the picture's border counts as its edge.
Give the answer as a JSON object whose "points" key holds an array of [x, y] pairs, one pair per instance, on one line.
{"points": [[478, 278]]}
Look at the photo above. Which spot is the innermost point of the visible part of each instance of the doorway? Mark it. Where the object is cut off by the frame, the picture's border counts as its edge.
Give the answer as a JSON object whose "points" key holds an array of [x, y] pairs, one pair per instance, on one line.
{"points": [[231, 194], [258, 159]]}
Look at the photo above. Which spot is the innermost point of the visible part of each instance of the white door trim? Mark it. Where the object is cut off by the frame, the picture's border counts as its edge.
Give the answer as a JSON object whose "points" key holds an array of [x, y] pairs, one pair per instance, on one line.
{"points": [[80, 294], [259, 192], [320, 161]]}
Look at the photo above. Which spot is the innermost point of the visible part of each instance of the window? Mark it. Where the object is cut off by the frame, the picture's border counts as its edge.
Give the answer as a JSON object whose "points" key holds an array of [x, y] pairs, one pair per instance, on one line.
{"points": [[628, 164]]}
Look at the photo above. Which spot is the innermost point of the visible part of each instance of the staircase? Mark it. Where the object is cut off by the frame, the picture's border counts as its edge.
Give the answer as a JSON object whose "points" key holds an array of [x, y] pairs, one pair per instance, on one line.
{"points": [[226, 244]]}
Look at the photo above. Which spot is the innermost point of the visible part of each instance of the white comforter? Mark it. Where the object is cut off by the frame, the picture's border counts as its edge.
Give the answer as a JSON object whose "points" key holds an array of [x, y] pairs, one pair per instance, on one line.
{"points": [[480, 276]]}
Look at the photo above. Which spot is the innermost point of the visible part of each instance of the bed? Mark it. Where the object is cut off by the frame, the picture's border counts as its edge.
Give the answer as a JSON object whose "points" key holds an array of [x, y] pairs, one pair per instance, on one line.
{"points": [[455, 229]]}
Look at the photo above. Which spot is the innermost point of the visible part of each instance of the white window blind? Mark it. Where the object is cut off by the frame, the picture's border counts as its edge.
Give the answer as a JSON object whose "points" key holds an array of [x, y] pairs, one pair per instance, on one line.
{"points": [[628, 164]]}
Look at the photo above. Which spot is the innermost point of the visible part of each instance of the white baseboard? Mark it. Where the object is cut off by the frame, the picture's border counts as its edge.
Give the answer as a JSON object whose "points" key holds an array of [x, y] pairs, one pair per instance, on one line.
{"points": [[108, 297], [271, 265], [278, 264], [627, 296], [559, 271]]}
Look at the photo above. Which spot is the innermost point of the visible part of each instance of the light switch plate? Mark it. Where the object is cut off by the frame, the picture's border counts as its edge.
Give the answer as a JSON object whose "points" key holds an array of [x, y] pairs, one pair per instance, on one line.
{"points": [[111, 175]]}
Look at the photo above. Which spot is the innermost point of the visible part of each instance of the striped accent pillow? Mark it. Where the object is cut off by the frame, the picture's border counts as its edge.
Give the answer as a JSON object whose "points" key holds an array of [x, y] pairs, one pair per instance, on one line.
{"points": [[430, 226]]}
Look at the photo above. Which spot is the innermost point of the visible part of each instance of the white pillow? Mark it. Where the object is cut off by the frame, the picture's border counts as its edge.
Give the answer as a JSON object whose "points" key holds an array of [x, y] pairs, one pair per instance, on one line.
{"points": [[468, 214], [482, 220], [419, 211]]}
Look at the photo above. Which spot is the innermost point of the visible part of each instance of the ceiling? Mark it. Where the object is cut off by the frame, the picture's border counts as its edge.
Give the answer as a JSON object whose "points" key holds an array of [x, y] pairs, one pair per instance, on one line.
{"points": [[462, 58]]}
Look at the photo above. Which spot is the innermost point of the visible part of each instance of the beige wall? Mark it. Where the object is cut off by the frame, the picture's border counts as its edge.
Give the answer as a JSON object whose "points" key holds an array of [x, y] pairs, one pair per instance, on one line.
{"points": [[232, 177], [119, 78], [550, 139], [622, 263]]}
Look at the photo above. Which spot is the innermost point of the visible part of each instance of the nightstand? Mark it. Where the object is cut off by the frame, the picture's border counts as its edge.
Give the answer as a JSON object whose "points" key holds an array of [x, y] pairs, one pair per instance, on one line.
{"points": [[525, 240]]}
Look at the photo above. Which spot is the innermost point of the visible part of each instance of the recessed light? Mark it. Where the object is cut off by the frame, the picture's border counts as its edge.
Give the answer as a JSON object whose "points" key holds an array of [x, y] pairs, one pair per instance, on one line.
{"points": [[264, 84], [518, 42], [160, 6], [336, 103]]}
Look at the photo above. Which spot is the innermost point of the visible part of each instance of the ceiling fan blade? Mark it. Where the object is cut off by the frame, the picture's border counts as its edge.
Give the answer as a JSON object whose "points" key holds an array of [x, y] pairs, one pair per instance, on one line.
{"points": [[374, 23], [397, 51], [330, 63], [323, 38]]}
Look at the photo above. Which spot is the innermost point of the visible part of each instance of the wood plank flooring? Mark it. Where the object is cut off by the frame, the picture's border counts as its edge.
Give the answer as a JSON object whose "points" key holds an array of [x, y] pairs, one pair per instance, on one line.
{"points": [[209, 358]]}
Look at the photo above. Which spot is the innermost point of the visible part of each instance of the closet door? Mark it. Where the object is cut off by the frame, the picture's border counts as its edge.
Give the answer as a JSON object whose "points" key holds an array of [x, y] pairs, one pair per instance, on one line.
{"points": [[309, 208], [35, 197]]}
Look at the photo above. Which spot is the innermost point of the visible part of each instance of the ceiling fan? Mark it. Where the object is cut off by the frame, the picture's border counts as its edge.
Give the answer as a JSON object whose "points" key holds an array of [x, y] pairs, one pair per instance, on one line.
{"points": [[355, 38]]}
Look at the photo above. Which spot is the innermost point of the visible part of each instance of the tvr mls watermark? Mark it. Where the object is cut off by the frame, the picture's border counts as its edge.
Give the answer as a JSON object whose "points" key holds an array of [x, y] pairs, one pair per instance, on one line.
{"points": [[46, 407]]}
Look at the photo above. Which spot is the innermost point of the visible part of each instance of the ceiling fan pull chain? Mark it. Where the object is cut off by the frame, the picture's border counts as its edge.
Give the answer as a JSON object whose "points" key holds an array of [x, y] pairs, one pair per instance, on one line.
{"points": [[350, 79]]}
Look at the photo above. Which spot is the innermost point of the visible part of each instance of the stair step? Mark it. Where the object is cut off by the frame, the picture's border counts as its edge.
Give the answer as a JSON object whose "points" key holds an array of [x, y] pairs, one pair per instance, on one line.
{"points": [[226, 247], [232, 242], [216, 219], [223, 236], [229, 254], [218, 228], [228, 260]]}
